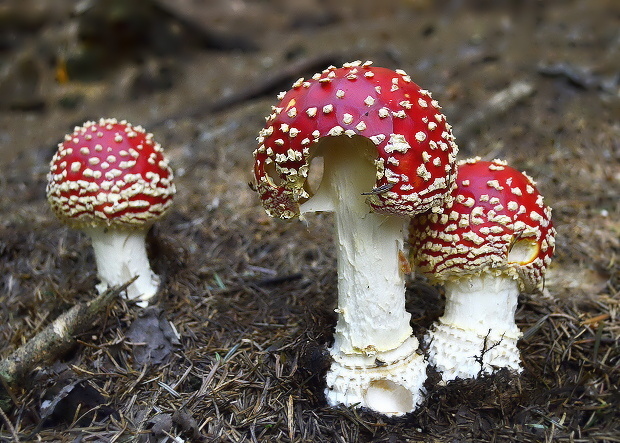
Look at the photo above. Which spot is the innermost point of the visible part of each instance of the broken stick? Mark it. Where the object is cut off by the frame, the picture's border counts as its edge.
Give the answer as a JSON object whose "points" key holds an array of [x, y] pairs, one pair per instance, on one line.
{"points": [[255, 89], [53, 341], [497, 105]]}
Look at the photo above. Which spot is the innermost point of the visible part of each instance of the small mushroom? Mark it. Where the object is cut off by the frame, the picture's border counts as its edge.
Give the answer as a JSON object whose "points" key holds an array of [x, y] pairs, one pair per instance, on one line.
{"points": [[112, 181], [495, 239], [388, 154]]}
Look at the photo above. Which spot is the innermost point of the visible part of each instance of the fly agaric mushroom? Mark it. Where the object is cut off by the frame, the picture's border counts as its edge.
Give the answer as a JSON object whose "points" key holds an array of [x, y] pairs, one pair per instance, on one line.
{"points": [[493, 241], [112, 181], [388, 153]]}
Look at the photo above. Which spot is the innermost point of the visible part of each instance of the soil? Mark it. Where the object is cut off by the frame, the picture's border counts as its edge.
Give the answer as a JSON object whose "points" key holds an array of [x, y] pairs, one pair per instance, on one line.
{"points": [[234, 348]]}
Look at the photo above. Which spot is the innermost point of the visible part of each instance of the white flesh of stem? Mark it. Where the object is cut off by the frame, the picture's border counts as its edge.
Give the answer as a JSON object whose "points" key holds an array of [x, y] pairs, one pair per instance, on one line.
{"points": [[371, 286], [120, 256]]}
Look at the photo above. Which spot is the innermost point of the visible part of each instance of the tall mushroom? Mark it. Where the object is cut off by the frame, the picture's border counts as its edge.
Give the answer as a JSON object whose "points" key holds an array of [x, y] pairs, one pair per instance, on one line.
{"points": [[495, 239], [388, 154], [111, 180]]}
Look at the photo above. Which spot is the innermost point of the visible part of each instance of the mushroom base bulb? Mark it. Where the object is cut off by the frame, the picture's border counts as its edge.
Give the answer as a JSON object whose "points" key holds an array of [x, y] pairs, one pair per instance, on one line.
{"points": [[477, 333], [121, 256], [387, 382]]}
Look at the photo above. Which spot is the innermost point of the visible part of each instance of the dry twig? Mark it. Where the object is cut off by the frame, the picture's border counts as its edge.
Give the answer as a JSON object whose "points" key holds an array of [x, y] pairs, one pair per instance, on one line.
{"points": [[256, 88], [55, 340]]}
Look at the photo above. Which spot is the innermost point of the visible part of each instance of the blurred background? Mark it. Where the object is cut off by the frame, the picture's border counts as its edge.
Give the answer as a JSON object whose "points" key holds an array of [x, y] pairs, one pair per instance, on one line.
{"points": [[536, 83]]}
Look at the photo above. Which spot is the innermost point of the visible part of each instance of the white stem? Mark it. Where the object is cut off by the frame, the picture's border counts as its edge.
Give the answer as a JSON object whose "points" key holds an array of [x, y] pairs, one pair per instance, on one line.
{"points": [[120, 256], [375, 360], [371, 286], [477, 333]]}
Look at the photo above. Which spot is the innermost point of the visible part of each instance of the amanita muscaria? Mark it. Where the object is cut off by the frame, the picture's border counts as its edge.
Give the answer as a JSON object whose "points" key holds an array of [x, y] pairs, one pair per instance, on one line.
{"points": [[112, 181], [495, 239], [388, 154]]}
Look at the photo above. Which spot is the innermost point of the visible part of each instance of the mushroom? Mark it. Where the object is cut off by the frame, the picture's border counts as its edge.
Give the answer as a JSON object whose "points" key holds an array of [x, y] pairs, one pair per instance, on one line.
{"points": [[112, 181], [388, 153], [494, 240]]}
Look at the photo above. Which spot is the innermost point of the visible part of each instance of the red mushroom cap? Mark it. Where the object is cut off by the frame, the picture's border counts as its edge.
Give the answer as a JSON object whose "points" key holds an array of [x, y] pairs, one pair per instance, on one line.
{"points": [[109, 173], [497, 223], [415, 148]]}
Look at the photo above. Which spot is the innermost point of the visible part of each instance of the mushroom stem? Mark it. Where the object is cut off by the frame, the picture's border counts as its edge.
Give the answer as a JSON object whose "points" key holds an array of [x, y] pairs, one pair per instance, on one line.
{"points": [[371, 286], [120, 256], [477, 333], [375, 360]]}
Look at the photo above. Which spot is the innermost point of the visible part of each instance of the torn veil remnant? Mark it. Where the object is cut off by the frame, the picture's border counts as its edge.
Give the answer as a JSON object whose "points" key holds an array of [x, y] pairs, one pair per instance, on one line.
{"points": [[111, 180], [495, 239], [388, 154]]}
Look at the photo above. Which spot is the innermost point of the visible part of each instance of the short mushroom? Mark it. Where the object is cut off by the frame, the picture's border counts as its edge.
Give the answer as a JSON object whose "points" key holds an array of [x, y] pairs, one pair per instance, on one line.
{"points": [[388, 154], [495, 239], [112, 181]]}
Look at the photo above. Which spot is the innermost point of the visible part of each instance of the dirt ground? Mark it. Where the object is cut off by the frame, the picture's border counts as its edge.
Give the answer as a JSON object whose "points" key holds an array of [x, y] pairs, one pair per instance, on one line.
{"points": [[235, 347]]}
